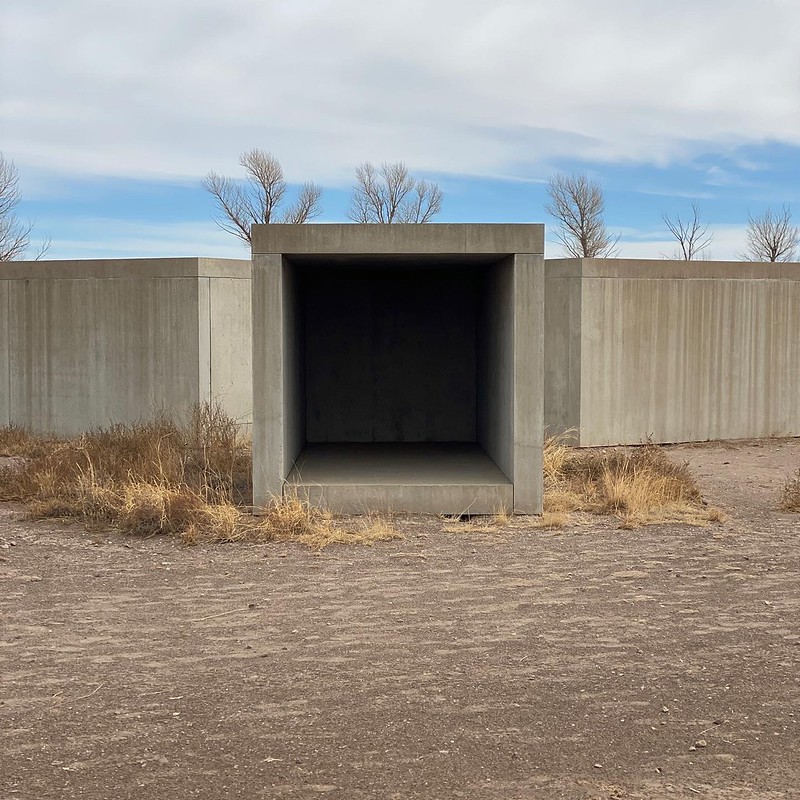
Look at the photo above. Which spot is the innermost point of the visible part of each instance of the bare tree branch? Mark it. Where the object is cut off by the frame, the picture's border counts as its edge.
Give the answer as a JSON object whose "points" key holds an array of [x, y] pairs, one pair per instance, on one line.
{"points": [[771, 237], [15, 235], [306, 206], [691, 234], [257, 200], [392, 194], [577, 204]]}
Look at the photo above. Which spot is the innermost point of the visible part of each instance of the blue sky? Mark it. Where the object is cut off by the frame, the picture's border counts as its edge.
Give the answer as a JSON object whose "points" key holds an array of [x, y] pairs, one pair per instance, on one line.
{"points": [[113, 112]]}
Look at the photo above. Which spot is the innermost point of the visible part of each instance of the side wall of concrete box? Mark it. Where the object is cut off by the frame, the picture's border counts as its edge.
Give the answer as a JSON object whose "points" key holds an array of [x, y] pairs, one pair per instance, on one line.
{"points": [[89, 343], [675, 351], [495, 387]]}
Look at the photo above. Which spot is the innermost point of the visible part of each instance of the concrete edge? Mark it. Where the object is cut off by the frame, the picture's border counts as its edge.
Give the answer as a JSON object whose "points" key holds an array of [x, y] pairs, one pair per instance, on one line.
{"points": [[399, 239], [667, 269], [117, 268]]}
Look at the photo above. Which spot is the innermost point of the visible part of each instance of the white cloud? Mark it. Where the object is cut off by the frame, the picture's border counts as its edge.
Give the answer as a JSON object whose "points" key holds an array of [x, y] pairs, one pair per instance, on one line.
{"points": [[726, 245], [175, 87], [111, 238]]}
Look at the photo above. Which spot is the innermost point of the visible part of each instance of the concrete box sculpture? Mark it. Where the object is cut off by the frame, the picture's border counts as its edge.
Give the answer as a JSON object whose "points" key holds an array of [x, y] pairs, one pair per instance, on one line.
{"points": [[88, 343], [399, 366]]}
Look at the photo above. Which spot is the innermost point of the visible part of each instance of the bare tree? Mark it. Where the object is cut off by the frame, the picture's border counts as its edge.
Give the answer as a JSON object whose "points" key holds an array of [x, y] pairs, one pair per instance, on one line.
{"points": [[577, 204], [15, 235], [258, 199], [690, 233], [392, 194], [771, 237]]}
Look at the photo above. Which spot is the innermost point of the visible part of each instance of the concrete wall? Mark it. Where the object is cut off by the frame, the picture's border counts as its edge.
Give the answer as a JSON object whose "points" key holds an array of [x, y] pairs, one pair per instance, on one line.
{"points": [[495, 388], [230, 347], [563, 336], [95, 342], [528, 401], [390, 353], [674, 350], [5, 386], [294, 388]]}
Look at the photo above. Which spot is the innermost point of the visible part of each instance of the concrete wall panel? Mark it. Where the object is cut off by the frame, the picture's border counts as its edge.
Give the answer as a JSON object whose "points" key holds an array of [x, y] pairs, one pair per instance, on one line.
{"points": [[711, 351], [562, 337], [294, 367], [203, 340], [87, 343], [436, 238], [528, 404], [496, 366], [390, 354], [231, 346], [269, 400], [85, 353]]}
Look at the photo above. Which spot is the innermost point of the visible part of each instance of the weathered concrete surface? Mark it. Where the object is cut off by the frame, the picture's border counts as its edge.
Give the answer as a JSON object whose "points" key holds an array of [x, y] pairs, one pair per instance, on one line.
{"points": [[5, 388], [390, 354], [375, 334], [677, 351], [528, 406], [230, 332], [273, 453], [495, 388], [350, 240], [89, 343], [439, 478]]}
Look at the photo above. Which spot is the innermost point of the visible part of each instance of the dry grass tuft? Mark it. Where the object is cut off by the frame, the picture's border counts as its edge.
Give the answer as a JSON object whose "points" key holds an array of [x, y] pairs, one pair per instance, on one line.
{"points": [[551, 520], [639, 485], [161, 478], [192, 480], [790, 498], [207, 457], [147, 478], [17, 441], [292, 519]]}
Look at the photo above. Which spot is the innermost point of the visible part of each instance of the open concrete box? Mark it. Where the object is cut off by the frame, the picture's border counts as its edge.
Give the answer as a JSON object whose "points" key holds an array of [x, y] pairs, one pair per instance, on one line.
{"points": [[399, 367]]}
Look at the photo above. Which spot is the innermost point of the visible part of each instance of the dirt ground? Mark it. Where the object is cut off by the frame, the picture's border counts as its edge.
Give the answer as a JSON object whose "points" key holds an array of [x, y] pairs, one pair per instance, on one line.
{"points": [[591, 662]]}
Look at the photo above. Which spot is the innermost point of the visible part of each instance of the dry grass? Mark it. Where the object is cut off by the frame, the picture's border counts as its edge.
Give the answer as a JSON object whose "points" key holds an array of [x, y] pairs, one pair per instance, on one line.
{"points": [[193, 480], [207, 456], [790, 498], [639, 485], [157, 477], [503, 522], [19, 442], [292, 519]]}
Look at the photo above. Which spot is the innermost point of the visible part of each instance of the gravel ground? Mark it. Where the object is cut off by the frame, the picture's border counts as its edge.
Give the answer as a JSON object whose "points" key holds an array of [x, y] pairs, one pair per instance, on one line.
{"points": [[593, 662]]}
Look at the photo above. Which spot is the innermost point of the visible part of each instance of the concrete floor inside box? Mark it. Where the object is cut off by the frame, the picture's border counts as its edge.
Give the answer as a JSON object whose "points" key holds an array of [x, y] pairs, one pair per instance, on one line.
{"points": [[453, 478]]}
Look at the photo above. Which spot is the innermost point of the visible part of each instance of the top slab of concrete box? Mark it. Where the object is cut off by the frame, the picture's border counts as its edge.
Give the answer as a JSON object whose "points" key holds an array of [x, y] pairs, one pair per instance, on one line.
{"points": [[84, 344], [410, 342], [429, 239], [673, 351]]}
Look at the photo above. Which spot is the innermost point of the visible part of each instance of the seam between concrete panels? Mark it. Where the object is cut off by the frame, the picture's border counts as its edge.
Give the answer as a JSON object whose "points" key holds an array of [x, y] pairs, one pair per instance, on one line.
{"points": [[7, 338], [104, 278], [210, 345], [683, 278]]}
